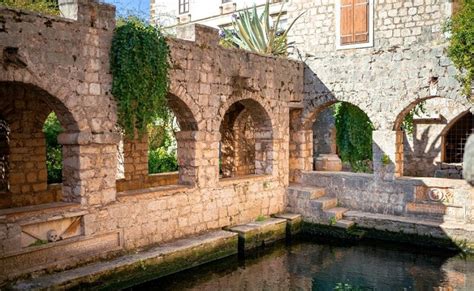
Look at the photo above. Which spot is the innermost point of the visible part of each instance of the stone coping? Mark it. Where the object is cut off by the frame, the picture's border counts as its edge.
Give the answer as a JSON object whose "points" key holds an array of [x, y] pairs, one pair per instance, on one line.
{"points": [[36, 210], [241, 179], [412, 220], [422, 181], [256, 225]]}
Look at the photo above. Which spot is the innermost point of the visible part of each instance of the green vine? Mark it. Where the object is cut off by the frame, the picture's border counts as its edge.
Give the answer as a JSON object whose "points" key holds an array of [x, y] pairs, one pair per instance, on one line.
{"points": [[139, 65], [418, 110], [461, 47], [353, 135]]}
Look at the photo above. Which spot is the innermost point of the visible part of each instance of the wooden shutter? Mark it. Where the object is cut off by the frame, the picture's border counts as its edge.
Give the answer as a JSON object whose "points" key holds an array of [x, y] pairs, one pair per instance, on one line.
{"points": [[347, 21], [354, 21]]}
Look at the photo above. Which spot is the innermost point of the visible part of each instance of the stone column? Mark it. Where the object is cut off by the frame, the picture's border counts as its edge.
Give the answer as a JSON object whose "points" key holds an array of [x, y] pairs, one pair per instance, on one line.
{"points": [[198, 158], [89, 163], [301, 153], [387, 146], [135, 155]]}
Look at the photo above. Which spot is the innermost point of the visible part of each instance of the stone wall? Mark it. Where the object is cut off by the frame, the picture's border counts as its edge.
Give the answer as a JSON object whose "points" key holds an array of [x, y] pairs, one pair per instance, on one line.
{"points": [[408, 197], [406, 64], [71, 77]]}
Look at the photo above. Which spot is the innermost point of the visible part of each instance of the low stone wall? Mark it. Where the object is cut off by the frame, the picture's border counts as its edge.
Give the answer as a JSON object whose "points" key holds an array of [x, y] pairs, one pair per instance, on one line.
{"points": [[402, 197]]}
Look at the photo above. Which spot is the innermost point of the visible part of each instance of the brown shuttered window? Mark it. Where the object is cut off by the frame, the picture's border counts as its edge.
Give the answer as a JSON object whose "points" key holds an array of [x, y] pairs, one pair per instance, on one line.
{"points": [[354, 21]]}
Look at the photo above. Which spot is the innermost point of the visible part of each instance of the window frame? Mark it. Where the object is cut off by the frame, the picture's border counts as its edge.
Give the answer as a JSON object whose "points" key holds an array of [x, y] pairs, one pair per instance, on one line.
{"points": [[368, 44], [183, 6]]}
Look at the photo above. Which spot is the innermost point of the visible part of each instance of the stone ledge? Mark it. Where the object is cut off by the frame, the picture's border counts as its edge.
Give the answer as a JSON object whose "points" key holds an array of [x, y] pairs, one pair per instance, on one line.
{"points": [[153, 263], [259, 233], [159, 191], [248, 178], [18, 213], [293, 222]]}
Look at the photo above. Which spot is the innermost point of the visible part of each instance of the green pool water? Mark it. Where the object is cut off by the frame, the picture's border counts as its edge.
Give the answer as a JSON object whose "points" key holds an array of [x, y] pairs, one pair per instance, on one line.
{"points": [[305, 265]]}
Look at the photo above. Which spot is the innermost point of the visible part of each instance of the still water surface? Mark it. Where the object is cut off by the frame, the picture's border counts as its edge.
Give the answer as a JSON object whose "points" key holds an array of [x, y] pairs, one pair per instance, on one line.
{"points": [[319, 266]]}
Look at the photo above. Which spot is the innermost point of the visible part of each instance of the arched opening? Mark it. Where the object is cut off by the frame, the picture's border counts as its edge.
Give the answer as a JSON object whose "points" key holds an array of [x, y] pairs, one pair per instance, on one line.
{"points": [[54, 151], [342, 131], [428, 148], [162, 156], [456, 138], [246, 146], [25, 109]]}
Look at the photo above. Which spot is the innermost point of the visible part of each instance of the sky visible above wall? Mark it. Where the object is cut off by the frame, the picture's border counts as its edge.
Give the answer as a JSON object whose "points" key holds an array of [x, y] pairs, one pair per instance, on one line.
{"points": [[132, 7]]}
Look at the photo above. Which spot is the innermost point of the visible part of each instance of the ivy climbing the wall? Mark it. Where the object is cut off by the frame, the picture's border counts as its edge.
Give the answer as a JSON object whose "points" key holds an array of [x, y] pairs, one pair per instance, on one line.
{"points": [[353, 136], [461, 47], [139, 64]]}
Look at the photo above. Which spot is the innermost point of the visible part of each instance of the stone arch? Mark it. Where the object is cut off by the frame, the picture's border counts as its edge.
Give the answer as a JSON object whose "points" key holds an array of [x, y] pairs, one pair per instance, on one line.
{"points": [[185, 108], [451, 134], [57, 94], [25, 107], [251, 101], [422, 150], [246, 139]]}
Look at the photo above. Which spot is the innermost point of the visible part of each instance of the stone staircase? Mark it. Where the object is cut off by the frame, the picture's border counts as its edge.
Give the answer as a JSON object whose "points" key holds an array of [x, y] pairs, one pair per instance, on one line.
{"points": [[316, 206]]}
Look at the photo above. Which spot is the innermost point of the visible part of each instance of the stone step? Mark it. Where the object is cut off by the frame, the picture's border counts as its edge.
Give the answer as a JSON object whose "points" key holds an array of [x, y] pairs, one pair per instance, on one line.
{"points": [[336, 212], [306, 192], [293, 222], [139, 267], [324, 203], [344, 223], [259, 233]]}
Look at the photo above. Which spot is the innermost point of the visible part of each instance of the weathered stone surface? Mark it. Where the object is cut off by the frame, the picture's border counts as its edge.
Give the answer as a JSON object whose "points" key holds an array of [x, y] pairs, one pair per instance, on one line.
{"points": [[153, 263], [259, 233]]}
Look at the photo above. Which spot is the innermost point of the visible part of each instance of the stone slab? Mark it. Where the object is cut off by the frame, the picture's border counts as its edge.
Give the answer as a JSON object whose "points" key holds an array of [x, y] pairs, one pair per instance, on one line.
{"points": [[155, 262], [260, 233], [56, 255], [293, 222]]}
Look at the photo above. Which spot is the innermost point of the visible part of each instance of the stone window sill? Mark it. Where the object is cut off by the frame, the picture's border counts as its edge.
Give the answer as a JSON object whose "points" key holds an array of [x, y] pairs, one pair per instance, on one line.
{"points": [[242, 179], [166, 190], [18, 213]]}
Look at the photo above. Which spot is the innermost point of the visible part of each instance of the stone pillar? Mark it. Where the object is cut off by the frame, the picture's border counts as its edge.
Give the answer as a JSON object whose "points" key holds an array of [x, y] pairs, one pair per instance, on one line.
{"points": [[135, 155], [387, 146], [198, 158], [89, 163], [301, 153]]}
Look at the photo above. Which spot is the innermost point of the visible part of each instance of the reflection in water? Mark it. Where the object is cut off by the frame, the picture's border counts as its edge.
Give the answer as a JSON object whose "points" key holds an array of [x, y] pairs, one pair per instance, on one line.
{"points": [[311, 266]]}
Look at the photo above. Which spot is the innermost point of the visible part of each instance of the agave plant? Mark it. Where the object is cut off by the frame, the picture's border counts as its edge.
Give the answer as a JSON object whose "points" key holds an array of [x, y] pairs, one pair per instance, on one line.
{"points": [[258, 33]]}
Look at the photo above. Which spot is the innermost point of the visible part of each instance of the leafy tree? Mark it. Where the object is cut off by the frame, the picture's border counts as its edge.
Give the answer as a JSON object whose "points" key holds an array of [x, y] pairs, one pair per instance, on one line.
{"points": [[461, 47], [162, 145]]}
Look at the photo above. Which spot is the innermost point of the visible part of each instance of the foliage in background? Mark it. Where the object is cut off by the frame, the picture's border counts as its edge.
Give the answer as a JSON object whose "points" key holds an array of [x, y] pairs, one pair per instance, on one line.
{"points": [[461, 47], [407, 124], [139, 65], [258, 33], [51, 129], [162, 144], [353, 136], [41, 6]]}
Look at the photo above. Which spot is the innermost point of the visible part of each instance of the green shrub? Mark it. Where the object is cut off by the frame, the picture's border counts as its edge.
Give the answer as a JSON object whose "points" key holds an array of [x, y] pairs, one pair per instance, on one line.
{"points": [[51, 129], [160, 161], [41, 6]]}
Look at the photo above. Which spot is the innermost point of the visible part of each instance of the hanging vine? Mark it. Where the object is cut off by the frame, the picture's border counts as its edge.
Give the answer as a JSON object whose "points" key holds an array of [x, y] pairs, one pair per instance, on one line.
{"points": [[353, 135], [139, 64]]}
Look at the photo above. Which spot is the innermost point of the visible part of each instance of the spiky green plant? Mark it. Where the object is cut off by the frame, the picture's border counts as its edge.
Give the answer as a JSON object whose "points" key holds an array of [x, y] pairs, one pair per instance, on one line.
{"points": [[258, 33]]}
